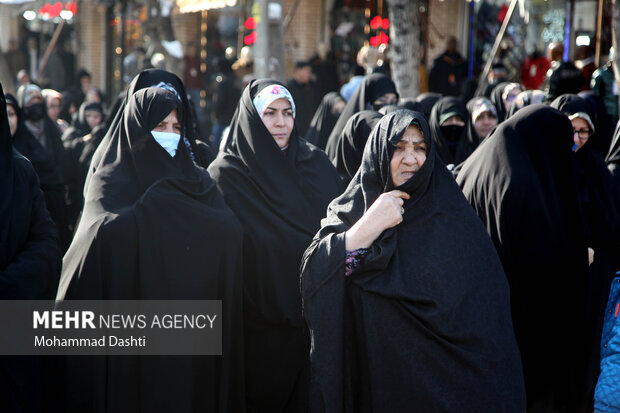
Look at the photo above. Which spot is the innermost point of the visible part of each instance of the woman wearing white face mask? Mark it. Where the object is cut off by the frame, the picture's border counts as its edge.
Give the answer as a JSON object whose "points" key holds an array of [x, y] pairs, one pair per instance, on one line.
{"points": [[154, 227]]}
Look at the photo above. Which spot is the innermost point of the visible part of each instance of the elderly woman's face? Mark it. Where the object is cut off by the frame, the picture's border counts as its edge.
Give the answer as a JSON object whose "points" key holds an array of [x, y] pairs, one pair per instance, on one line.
{"points": [[409, 156], [279, 121], [10, 111]]}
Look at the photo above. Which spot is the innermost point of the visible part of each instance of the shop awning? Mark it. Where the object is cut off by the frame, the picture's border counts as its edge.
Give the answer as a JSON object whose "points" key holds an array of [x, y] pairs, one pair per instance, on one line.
{"points": [[191, 6]]}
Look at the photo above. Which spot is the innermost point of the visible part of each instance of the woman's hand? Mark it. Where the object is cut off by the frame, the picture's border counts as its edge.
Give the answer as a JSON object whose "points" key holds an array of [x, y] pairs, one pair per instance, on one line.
{"points": [[384, 213]]}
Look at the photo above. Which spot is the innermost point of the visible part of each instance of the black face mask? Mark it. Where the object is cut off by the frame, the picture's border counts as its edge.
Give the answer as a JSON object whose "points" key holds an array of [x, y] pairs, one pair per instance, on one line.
{"points": [[34, 112], [452, 133], [376, 107]]}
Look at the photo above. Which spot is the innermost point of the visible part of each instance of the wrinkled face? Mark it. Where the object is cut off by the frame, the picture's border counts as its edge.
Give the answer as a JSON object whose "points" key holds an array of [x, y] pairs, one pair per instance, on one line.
{"points": [[581, 132], [338, 107], [485, 122], [53, 108], [93, 118], [409, 156], [279, 121], [169, 124], [10, 111]]}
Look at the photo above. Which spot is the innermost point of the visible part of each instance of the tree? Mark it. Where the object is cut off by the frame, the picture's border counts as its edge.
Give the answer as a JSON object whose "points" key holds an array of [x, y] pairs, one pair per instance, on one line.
{"points": [[269, 46], [405, 46]]}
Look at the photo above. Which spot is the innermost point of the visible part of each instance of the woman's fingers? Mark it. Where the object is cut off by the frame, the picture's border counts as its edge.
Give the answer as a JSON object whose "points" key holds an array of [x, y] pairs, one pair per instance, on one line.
{"points": [[399, 194]]}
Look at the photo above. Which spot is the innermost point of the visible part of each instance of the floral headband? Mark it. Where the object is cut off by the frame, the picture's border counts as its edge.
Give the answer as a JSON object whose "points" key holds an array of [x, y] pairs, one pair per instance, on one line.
{"points": [[269, 94]]}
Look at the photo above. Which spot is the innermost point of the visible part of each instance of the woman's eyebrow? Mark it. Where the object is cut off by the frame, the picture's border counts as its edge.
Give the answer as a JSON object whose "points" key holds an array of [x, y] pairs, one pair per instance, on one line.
{"points": [[272, 108], [413, 142]]}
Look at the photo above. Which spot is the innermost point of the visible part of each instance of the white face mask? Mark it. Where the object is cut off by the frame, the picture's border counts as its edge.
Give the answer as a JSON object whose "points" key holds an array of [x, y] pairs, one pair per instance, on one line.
{"points": [[168, 140]]}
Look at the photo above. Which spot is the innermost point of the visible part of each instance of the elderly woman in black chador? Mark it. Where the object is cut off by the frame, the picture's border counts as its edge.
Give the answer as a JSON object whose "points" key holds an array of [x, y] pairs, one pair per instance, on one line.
{"points": [[403, 291], [154, 227], [279, 186]]}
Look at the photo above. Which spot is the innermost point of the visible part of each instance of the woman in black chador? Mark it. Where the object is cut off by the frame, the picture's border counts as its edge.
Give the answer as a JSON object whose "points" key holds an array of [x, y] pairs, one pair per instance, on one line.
{"points": [[198, 150], [44, 151], [374, 92], [279, 186], [403, 291], [451, 130], [155, 227], [325, 119], [30, 258], [522, 183], [350, 147]]}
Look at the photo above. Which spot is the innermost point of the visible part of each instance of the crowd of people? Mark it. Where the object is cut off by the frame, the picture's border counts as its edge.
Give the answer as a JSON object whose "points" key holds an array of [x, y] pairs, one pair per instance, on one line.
{"points": [[446, 253]]}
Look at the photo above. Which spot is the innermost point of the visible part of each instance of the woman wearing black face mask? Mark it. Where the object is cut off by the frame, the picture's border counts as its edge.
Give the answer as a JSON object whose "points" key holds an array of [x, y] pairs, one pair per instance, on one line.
{"points": [[449, 124], [38, 139]]}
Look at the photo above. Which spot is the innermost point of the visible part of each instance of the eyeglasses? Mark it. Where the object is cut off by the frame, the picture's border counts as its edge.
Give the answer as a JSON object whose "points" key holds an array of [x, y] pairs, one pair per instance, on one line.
{"points": [[584, 134]]}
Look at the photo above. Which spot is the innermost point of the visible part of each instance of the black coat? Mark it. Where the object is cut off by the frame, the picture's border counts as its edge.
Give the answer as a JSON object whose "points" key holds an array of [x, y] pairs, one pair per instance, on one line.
{"points": [[279, 199], [424, 322]]}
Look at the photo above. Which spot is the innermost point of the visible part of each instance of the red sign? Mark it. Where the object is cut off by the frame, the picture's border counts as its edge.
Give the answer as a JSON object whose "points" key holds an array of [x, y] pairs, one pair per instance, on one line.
{"points": [[49, 11]]}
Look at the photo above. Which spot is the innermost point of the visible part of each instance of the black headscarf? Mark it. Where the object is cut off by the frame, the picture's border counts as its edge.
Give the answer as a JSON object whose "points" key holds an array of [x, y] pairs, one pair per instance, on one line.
{"points": [[324, 120], [154, 227], [280, 200], [407, 327], [79, 127], [370, 89], [352, 142], [458, 150], [30, 261], [521, 182], [498, 101], [48, 164], [427, 101], [198, 150]]}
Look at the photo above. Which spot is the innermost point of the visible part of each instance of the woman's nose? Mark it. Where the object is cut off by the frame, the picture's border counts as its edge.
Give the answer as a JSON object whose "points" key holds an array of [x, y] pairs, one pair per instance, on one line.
{"points": [[409, 158]]}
